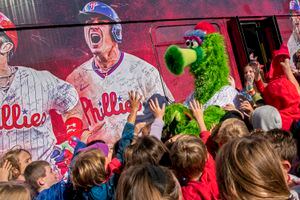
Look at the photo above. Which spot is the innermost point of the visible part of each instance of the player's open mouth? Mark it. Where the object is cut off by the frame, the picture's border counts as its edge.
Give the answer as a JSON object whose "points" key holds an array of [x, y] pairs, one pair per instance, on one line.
{"points": [[95, 38]]}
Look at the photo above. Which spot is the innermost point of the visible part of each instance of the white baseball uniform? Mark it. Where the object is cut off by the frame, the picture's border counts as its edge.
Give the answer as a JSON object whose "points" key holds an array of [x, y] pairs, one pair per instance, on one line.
{"points": [[104, 97], [24, 108], [226, 95], [293, 46]]}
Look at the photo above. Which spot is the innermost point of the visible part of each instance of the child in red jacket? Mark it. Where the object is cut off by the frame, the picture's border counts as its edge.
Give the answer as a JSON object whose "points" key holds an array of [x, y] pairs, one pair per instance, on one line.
{"points": [[194, 166]]}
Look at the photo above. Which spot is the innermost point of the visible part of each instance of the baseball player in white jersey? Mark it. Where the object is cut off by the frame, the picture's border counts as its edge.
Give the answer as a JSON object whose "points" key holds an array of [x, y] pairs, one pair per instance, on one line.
{"points": [[103, 81], [26, 96]]}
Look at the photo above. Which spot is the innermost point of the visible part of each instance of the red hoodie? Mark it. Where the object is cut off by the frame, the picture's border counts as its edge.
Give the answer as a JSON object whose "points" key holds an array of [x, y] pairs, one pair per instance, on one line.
{"points": [[280, 92], [204, 189]]}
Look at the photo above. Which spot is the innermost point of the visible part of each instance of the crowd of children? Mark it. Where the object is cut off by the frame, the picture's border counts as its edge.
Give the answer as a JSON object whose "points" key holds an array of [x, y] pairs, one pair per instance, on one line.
{"points": [[251, 154]]}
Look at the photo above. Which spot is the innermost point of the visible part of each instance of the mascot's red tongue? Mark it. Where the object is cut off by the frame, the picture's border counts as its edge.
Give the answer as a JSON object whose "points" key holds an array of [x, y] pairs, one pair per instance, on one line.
{"points": [[276, 70]]}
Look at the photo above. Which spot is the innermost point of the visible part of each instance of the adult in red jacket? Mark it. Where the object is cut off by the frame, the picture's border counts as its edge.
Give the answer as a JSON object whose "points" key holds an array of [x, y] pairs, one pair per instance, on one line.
{"points": [[282, 91]]}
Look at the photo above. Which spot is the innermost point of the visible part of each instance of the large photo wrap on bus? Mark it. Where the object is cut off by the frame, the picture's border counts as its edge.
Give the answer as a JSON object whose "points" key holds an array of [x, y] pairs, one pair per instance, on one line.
{"points": [[67, 66], [93, 97]]}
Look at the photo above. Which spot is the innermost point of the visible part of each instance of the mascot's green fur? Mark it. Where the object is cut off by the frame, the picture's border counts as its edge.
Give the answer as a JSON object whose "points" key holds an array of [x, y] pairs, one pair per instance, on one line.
{"points": [[208, 62]]}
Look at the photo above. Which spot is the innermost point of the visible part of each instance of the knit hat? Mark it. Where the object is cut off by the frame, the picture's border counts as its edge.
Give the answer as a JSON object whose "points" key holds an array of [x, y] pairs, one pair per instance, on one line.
{"points": [[98, 145], [266, 118]]}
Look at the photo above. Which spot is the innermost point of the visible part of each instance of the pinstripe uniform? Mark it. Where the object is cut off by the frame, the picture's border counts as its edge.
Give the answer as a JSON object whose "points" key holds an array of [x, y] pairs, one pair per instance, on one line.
{"points": [[24, 111]]}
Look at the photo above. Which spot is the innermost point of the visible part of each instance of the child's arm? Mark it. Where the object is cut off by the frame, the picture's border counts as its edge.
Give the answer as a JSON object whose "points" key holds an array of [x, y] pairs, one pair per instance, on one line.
{"points": [[82, 142], [158, 124], [197, 110], [106, 190], [260, 85], [128, 131], [288, 72]]}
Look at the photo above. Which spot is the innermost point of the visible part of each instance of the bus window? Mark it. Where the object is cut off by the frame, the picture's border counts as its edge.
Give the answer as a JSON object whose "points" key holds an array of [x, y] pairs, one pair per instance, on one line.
{"points": [[258, 35]]}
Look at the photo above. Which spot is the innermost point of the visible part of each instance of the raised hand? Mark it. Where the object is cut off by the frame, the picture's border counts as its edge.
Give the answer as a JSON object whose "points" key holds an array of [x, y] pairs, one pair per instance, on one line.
{"points": [[5, 171], [157, 111], [135, 100], [288, 72], [246, 107], [285, 64], [135, 103], [197, 110]]}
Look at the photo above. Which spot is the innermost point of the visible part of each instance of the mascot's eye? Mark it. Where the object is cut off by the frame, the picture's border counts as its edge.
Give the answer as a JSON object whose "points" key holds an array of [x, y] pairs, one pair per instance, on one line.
{"points": [[194, 44], [188, 43]]}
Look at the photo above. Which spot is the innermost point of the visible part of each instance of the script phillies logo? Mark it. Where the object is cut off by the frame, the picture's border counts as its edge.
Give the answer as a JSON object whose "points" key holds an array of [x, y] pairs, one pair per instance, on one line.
{"points": [[109, 106], [11, 115]]}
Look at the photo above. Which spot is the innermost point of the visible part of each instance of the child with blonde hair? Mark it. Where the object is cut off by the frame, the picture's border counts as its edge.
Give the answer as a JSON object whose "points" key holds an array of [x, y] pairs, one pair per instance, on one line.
{"points": [[229, 129], [14, 191], [13, 164], [225, 131], [249, 168]]}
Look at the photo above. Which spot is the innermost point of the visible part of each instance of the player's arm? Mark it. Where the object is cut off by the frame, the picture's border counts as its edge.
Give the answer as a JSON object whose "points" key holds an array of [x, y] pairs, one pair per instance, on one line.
{"points": [[65, 100], [73, 121]]}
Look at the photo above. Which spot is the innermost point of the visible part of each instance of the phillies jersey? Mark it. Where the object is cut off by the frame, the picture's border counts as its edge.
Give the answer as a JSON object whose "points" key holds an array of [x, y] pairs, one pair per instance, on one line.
{"points": [[104, 97], [25, 106], [226, 95]]}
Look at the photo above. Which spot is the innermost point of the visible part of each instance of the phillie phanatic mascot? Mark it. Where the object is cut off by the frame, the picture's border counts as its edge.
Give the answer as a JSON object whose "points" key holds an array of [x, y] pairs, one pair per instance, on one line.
{"points": [[208, 61]]}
